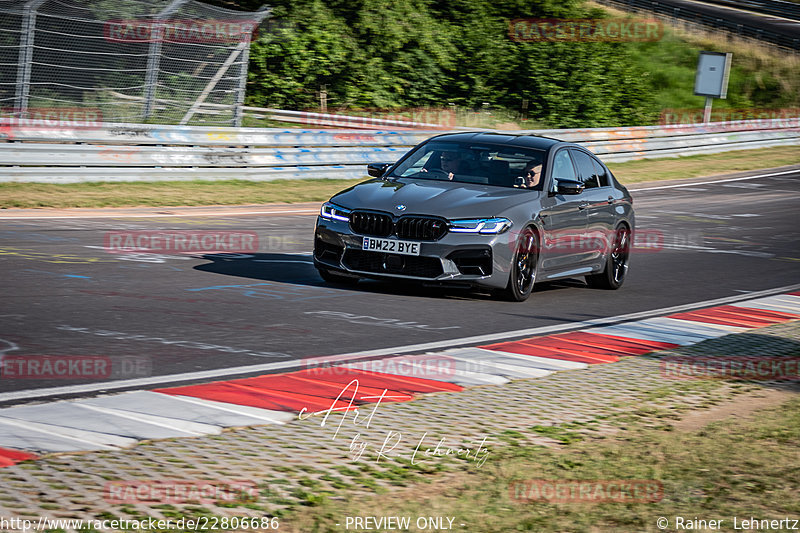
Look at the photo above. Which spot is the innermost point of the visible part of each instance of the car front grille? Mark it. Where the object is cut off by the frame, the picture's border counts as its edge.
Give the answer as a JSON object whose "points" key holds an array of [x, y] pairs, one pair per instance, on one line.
{"points": [[367, 223], [380, 263], [420, 228], [417, 228]]}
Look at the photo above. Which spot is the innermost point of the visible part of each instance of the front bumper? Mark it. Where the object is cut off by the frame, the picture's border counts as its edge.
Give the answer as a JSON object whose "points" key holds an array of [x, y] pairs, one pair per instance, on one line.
{"points": [[456, 258]]}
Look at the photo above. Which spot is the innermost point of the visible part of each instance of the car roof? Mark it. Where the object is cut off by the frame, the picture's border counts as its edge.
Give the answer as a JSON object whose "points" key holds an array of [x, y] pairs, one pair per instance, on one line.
{"points": [[511, 139]]}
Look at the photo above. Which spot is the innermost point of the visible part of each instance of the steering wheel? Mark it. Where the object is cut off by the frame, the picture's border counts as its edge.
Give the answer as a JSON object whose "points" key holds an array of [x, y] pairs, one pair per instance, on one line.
{"points": [[437, 173]]}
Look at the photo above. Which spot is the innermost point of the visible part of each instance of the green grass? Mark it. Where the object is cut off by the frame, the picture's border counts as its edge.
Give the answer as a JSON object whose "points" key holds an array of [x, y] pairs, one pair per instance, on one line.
{"points": [[186, 193], [728, 468], [239, 192], [761, 76]]}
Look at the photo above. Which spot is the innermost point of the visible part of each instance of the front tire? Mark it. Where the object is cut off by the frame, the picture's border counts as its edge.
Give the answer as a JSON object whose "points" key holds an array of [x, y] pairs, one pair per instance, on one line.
{"points": [[613, 276], [522, 275]]}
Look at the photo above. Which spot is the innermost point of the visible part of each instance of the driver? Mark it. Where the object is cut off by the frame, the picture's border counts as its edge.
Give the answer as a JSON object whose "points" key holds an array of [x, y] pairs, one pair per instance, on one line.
{"points": [[450, 163], [531, 175]]}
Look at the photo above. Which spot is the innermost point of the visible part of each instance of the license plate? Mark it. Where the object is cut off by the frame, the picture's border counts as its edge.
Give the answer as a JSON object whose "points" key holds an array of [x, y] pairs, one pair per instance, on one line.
{"points": [[390, 246]]}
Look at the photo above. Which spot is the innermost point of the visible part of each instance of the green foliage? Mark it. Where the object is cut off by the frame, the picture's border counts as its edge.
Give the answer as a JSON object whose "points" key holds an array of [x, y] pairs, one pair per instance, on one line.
{"points": [[415, 53], [384, 54]]}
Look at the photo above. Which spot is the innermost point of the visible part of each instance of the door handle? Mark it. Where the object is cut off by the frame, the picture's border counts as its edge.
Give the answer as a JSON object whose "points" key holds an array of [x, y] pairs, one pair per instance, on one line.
{"points": [[583, 205], [611, 199]]}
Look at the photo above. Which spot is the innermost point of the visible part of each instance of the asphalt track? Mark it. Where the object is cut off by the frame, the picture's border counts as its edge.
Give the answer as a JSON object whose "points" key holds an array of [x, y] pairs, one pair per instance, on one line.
{"points": [[171, 313], [740, 15]]}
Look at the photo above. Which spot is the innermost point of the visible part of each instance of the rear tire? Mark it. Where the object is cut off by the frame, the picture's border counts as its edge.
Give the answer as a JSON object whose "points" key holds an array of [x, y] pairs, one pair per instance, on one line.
{"points": [[338, 279], [522, 275], [613, 276]]}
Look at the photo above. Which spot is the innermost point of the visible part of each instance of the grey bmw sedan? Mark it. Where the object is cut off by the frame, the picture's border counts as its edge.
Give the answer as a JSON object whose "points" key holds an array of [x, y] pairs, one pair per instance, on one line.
{"points": [[487, 210]]}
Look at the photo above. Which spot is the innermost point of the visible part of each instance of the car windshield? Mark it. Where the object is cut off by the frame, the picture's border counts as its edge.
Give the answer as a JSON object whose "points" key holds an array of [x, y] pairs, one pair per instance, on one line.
{"points": [[464, 162]]}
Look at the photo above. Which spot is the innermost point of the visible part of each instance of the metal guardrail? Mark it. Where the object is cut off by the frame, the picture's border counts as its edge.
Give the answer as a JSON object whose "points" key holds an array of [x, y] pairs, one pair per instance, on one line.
{"points": [[143, 134], [778, 8], [131, 152], [692, 15]]}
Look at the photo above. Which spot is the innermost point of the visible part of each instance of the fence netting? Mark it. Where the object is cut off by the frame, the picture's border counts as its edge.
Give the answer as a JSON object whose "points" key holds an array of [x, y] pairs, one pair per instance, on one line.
{"points": [[159, 61]]}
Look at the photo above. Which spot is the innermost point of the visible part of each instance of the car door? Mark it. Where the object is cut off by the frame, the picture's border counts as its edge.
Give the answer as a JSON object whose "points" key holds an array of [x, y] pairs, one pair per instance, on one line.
{"points": [[597, 204], [563, 218]]}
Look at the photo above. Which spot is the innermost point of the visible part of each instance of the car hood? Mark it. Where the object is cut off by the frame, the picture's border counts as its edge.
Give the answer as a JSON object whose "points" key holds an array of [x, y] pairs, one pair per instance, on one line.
{"points": [[433, 197]]}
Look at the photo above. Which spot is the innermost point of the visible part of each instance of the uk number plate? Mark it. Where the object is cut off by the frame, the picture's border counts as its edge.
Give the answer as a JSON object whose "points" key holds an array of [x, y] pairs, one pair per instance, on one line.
{"points": [[390, 246]]}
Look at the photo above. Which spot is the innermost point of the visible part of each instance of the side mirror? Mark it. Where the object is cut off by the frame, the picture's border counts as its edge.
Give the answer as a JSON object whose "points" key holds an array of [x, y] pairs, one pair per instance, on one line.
{"points": [[377, 170], [570, 187]]}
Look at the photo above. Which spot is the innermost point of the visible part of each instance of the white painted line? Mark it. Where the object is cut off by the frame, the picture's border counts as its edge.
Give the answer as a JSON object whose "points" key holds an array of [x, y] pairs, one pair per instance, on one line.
{"points": [[342, 358], [163, 215], [497, 368], [264, 415], [515, 360], [104, 440], [785, 303], [546, 362], [190, 428], [75, 416], [510, 335], [796, 171], [634, 330], [175, 407], [720, 327], [24, 435], [458, 376], [690, 327]]}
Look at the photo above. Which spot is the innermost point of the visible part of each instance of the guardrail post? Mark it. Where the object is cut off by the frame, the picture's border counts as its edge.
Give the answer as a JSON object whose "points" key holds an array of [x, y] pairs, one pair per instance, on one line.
{"points": [[238, 111], [26, 55], [244, 61], [154, 57]]}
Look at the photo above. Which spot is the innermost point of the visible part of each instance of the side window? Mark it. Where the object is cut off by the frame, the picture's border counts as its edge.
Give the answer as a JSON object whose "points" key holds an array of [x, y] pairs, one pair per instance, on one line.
{"points": [[563, 168], [601, 173], [586, 169]]}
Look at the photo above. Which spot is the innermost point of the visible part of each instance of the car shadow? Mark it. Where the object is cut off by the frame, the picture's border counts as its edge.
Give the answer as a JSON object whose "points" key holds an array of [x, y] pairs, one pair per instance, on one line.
{"points": [[298, 269]]}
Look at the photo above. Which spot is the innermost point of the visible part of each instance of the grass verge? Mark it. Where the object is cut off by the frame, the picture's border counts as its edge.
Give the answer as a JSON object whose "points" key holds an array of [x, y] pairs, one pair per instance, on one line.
{"points": [[727, 469], [239, 192]]}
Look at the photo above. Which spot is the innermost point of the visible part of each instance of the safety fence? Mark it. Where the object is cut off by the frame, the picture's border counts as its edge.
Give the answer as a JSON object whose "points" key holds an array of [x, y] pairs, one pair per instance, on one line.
{"points": [[39, 152], [703, 15], [159, 61]]}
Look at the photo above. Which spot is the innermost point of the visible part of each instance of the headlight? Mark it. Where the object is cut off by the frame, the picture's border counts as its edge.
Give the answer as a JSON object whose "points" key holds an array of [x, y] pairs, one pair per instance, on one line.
{"points": [[334, 212], [491, 226]]}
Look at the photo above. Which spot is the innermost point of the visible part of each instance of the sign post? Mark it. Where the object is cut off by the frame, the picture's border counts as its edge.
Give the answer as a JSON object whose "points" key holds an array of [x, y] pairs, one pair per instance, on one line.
{"points": [[711, 81]]}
